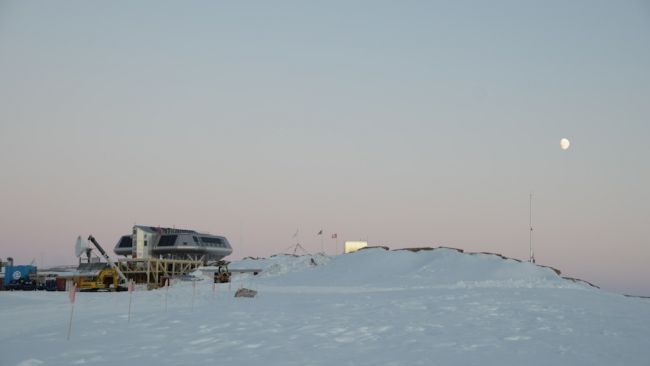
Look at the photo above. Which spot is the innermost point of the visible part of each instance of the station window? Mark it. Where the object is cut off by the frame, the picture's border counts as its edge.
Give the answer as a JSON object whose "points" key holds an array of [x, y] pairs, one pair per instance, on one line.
{"points": [[126, 242], [167, 240], [206, 239]]}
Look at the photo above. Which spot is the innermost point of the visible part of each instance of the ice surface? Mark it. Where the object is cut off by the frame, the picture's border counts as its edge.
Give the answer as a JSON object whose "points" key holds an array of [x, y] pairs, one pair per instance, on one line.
{"points": [[373, 307]]}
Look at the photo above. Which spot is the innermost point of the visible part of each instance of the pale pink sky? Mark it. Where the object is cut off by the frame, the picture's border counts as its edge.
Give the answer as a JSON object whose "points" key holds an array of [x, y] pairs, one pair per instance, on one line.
{"points": [[407, 124]]}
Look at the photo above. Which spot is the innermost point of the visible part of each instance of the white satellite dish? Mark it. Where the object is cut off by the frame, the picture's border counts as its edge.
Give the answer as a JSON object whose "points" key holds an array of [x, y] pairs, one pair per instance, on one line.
{"points": [[79, 247]]}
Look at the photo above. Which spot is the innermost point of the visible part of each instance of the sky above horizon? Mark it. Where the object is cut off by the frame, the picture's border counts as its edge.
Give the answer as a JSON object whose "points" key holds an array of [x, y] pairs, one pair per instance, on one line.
{"points": [[401, 123]]}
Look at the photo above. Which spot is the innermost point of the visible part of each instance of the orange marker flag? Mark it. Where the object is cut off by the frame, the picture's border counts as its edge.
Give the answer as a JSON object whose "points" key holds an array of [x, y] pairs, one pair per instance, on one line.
{"points": [[73, 293]]}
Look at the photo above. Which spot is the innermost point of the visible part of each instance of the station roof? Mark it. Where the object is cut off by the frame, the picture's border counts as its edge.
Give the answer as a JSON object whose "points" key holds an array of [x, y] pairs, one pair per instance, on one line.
{"points": [[164, 230]]}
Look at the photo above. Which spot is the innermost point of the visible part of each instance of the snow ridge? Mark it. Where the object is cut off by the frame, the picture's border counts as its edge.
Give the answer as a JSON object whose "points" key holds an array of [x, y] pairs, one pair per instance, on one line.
{"points": [[378, 268]]}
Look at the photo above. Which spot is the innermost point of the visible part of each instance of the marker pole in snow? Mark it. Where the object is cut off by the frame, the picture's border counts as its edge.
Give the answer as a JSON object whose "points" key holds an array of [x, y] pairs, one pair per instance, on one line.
{"points": [[166, 292], [130, 287], [72, 295], [193, 292], [214, 289]]}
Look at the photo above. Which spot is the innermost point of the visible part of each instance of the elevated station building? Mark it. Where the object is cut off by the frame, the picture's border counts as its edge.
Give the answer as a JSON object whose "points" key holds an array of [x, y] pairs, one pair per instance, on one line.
{"points": [[152, 254], [171, 243]]}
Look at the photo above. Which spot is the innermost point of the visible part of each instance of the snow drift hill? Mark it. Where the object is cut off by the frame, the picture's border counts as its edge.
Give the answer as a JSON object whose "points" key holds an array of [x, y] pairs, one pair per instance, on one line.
{"points": [[373, 307], [439, 268]]}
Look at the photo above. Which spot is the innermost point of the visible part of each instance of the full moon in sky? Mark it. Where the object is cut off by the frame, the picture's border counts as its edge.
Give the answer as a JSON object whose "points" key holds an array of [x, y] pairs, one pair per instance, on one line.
{"points": [[565, 143]]}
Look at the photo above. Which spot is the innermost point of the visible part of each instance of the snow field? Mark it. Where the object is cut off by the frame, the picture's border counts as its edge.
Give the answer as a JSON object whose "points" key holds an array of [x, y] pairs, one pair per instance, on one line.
{"points": [[368, 308]]}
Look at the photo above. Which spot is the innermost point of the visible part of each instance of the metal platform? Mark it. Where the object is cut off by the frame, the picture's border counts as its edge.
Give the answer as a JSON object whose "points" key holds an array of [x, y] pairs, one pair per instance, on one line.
{"points": [[154, 271]]}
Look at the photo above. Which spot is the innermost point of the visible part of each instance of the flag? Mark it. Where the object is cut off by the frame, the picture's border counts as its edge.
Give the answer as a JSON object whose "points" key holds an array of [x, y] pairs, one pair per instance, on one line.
{"points": [[333, 236], [320, 232], [73, 293]]}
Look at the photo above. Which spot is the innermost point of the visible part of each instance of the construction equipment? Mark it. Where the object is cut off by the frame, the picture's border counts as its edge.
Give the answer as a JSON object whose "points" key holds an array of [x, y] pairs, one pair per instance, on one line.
{"points": [[222, 275], [115, 268], [97, 276]]}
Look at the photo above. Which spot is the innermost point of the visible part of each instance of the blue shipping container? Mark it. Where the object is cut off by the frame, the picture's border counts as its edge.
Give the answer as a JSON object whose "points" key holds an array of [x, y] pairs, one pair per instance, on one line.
{"points": [[18, 273]]}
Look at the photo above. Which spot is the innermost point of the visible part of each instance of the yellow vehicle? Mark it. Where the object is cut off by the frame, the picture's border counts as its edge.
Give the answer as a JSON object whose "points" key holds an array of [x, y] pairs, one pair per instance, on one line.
{"points": [[222, 275], [96, 277]]}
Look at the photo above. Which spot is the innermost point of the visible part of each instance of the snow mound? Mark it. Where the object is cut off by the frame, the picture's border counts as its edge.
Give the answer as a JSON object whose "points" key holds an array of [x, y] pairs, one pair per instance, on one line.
{"points": [[378, 268]]}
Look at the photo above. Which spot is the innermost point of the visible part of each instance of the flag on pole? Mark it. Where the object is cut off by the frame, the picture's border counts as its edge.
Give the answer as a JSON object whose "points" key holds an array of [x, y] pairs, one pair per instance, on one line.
{"points": [[73, 293], [333, 236], [320, 232]]}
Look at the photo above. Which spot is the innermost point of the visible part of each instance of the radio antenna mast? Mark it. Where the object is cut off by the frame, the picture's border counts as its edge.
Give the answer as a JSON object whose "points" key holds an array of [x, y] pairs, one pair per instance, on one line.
{"points": [[531, 259]]}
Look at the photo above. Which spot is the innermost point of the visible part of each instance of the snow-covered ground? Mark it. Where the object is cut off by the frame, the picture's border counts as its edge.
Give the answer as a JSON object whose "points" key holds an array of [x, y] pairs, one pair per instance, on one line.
{"points": [[373, 307]]}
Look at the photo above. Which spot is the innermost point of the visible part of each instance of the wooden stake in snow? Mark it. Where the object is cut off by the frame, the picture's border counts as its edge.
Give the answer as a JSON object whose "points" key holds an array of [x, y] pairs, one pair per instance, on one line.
{"points": [[72, 295], [130, 287]]}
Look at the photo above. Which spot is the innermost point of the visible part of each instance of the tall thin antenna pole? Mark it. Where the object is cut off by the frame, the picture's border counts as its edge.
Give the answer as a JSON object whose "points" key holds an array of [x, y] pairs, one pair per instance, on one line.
{"points": [[241, 237], [530, 224]]}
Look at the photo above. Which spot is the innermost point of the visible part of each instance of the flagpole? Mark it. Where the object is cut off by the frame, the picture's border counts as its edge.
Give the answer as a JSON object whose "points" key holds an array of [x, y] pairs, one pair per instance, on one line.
{"points": [[130, 301], [70, 325], [531, 259]]}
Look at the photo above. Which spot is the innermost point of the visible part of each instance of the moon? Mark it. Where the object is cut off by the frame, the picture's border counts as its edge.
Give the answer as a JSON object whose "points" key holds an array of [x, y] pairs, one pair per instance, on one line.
{"points": [[565, 143]]}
